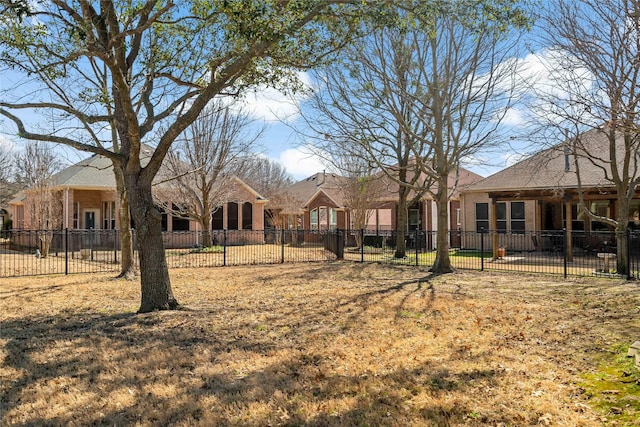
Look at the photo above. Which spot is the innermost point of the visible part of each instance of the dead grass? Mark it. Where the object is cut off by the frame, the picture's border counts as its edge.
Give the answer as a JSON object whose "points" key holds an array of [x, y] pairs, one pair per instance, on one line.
{"points": [[324, 344]]}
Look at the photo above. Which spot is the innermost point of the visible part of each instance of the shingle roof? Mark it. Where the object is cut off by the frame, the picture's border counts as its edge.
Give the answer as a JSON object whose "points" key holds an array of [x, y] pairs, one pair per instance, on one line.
{"points": [[547, 169], [464, 179], [93, 172], [330, 183]]}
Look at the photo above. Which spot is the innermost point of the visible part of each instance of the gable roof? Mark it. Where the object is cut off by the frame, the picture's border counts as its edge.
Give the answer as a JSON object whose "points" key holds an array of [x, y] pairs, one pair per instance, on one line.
{"points": [[309, 188], [96, 173], [554, 168]]}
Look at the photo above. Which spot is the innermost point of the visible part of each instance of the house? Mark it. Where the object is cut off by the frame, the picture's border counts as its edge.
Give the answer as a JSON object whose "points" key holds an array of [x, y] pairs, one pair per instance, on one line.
{"points": [[88, 201], [540, 194], [322, 203]]}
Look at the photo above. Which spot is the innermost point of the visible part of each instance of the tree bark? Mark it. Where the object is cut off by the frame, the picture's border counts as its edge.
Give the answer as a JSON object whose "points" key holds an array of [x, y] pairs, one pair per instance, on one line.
{"points": [[207, 241], [127, 266], [154, 273], [442, 263], [622, 262], [401, 245]]}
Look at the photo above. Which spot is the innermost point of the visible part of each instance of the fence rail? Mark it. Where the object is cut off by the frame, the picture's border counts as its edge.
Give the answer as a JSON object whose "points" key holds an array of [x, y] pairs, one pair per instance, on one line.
{"points": [[577, 253]]}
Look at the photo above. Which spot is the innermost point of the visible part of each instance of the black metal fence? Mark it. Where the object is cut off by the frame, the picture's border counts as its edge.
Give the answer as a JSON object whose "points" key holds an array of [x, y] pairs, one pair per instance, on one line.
{"points": [[577, 253]]}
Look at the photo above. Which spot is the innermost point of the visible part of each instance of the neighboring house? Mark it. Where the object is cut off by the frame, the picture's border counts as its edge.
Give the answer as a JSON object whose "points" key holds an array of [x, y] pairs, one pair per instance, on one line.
{"points": [[316, 203], [540, 193], [322, 205], [87, 192]]}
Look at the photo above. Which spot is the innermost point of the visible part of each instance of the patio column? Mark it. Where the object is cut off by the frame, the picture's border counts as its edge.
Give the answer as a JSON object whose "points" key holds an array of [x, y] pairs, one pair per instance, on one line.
{"points": [[569, 222], [493, 227]]}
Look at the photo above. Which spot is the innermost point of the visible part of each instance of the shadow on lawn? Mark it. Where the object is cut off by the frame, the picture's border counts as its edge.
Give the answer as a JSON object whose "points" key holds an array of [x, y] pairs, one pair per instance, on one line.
{"points": [[84, 363]]}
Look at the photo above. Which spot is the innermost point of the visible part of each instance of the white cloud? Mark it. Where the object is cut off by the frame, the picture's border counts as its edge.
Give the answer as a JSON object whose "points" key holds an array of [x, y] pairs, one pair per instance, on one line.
{"points": [[271, 105], [301, 162], [513, 117]]}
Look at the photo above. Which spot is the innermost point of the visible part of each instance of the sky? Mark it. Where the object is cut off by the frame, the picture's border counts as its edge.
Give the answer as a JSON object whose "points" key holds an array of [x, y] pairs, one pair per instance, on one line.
{"points": [[281, 143]]}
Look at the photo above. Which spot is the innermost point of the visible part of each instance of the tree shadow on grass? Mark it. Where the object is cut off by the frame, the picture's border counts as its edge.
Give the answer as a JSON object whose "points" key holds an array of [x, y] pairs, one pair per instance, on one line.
{"points": [[98, 369]]}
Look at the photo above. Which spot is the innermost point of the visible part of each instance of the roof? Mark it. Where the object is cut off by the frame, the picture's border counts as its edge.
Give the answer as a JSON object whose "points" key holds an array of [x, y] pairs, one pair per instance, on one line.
{"points": [[553, 168], [456, 183], [96, 173], [330, 184]]}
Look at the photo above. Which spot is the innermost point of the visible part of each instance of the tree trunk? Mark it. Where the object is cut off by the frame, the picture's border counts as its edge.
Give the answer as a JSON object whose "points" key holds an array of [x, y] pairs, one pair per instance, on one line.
{"points": [[207, 240], [442, 263], [127, 265], [401, 246], [154, 273], [622, 264]]}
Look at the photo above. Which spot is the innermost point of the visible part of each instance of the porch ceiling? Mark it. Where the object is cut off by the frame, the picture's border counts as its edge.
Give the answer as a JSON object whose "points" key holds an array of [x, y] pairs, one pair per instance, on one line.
{"points": [[555, 195]]}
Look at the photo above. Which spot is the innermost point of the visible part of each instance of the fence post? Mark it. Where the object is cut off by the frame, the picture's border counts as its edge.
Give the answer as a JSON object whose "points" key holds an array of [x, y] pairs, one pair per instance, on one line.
{"points": [[66, 251], [282, 245], [116, 239], [564, 250], [482, 249], [224, 247], [417, 245], [362, 245]]}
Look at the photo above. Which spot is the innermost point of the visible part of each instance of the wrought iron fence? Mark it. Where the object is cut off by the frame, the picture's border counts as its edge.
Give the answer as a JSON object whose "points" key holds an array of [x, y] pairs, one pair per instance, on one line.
{"points": [[578, 253]]}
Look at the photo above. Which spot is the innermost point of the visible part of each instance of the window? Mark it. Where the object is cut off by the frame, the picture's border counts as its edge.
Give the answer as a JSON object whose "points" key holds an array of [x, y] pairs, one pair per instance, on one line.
{"points": [[501, 214], [414, 219], [458, 217], [109, 215], [232, 216], [217, 223], [247, 216], [322, 217], [333, 218], [517, 217], [179, 222], [76, 215], [482, 216], [313, 218]]}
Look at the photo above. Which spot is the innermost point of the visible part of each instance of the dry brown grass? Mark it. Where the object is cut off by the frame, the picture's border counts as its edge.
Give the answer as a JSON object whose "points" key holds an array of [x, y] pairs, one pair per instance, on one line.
{"points": [[323, 344]]}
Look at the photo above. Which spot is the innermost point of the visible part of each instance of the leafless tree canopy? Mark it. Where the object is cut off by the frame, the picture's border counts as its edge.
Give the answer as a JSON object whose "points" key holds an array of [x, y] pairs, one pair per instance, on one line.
{"points": [[266, 176], [597, 95], [35, 170], [414, 101], [7, 187], [203, 161]]}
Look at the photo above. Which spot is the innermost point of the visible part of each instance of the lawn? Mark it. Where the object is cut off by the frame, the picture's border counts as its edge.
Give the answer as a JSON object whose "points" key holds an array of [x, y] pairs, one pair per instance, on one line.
{"points": [[321, 344]]}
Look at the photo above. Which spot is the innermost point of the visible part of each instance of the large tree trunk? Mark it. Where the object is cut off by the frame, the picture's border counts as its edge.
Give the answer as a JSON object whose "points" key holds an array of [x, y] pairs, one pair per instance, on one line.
{"points": [[622, 265], [401, 224], [154, 273], [207, 240], [442, 263], [127, 265]]}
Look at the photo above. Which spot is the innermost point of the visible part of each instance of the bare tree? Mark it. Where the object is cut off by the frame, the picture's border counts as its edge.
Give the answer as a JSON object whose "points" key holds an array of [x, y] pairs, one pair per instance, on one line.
{"points": [[416, 99], [163, 62], [362, 188], [6, 170], [594, 102], [35, 170], [271, 181], [202, 163]]}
